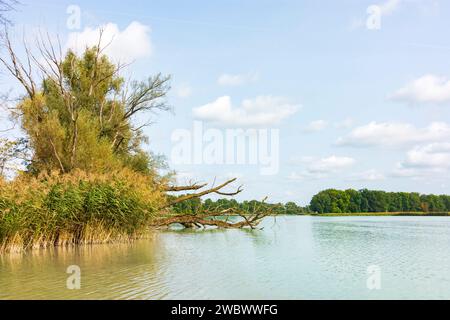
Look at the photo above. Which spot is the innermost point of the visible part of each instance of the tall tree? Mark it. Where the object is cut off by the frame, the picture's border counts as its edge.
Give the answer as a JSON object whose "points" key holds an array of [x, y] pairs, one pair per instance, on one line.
{"points": [[78, 112]]}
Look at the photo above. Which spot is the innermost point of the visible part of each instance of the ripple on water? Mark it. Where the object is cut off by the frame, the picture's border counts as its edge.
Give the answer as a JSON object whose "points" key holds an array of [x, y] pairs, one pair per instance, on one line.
{"points": [[291, 258]]}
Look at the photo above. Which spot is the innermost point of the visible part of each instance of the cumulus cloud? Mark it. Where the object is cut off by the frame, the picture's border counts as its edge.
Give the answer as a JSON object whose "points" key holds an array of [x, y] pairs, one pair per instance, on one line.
{"points": [[402, 172], [316, 126], [237, 79], [330, 164], [394, 134], [121, 45], [430, 89], [260, 111], [425, 162], [434, 155], [317, 168]]}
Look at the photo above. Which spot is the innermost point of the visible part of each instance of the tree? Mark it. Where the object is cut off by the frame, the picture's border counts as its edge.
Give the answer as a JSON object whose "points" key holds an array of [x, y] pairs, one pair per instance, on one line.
{"points": [[292, 208], [78, 112], [321, 202], [355, 201], [352, 201]]}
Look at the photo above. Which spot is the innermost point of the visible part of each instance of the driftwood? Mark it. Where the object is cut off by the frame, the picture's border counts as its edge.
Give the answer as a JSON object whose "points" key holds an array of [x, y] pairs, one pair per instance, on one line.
{"points": [[218, 218], [214, 190]]}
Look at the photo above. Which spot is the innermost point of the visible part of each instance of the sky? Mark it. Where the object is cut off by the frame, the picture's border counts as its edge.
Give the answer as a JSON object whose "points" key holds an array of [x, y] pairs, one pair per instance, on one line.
{"points": [[335, 94]]}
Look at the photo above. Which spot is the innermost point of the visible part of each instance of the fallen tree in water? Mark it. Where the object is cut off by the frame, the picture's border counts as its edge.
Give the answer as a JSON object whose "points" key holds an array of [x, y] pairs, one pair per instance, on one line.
{"points": [[215, 218]]}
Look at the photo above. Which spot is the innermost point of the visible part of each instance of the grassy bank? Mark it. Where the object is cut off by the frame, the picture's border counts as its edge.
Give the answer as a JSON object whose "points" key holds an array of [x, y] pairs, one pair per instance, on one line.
{"points": [[384, 214], [38, 212]]}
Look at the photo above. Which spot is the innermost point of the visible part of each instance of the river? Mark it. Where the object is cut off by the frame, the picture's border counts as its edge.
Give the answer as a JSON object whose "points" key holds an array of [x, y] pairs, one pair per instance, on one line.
{"points": [[290, 258]]}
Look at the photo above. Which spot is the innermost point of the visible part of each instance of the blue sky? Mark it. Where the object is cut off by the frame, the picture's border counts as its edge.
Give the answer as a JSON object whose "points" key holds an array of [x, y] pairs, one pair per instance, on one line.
{"points": [[355, 107]]}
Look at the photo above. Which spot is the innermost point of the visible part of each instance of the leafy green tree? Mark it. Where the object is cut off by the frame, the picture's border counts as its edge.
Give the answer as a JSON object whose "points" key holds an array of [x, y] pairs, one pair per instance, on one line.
{"points": [[292, 208], [352, 201], [82, 115]]}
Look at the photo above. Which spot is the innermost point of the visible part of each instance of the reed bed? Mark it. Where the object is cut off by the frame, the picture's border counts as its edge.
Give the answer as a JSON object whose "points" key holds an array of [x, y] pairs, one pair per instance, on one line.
{"points": [[77, 208]]}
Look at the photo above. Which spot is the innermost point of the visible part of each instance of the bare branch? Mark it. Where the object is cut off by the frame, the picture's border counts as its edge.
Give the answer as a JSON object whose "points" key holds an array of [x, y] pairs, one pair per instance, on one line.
{"points": [[249, 219], [216, 190], [192, 187], [16, 67]]}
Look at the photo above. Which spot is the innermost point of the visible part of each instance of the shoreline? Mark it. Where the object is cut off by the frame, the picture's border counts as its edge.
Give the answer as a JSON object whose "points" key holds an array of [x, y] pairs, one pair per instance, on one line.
{"points": [[383, 214]]}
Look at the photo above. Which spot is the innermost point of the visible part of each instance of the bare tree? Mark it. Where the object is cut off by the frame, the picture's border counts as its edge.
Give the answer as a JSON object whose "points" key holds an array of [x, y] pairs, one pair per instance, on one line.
{"points": [[5, 7]]}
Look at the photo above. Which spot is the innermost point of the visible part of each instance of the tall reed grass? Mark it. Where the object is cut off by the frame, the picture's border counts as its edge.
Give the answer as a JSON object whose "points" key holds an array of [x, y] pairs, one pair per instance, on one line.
{"points": [[76, 208]]}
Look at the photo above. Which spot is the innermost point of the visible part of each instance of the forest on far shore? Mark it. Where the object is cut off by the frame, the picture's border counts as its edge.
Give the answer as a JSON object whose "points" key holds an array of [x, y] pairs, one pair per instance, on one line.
{"points": [[334, 201], [353, 201]]}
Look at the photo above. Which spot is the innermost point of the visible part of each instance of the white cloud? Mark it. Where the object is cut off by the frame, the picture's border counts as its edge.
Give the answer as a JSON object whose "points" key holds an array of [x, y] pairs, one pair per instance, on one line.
{"points": [[316, 126], [330, 164], [434, 155], [369, 175], [425, 162], [394, 134], [125, 46], [260, 111], [402, 172], [318, 168], [183, 91], [427, 89], [237, 79]]}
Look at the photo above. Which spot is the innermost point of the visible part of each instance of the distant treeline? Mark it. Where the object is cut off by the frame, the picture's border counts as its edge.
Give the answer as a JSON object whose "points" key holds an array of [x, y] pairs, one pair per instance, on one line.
{"points": [[332, 201], [352, 201], [196, 205]]}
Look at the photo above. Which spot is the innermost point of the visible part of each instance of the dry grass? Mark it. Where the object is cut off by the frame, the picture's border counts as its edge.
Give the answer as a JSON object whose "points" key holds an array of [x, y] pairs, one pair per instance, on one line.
{"points": [[77, 208]]}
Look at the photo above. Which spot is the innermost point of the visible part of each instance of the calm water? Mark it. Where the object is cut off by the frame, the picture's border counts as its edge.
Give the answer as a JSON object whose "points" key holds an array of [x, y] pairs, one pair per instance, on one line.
{"points": [[291, 258]]}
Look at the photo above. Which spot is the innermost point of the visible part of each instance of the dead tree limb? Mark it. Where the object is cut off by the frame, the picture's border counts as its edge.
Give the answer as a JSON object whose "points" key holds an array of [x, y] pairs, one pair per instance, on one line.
{"points": [[216, 190], [192, 187], [219, 218]]}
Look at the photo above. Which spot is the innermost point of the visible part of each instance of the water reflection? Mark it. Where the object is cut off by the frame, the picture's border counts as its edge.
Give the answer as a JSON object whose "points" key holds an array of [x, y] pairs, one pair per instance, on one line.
{"points": [[290, 258], [412, 252]]}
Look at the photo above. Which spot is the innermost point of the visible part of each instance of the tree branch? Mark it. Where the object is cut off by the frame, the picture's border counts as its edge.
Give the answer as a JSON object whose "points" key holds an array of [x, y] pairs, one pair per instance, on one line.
{"points": [[215, 190]]}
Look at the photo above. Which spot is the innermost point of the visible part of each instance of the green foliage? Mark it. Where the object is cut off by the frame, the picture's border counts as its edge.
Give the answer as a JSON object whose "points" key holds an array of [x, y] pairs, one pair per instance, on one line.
{"points": [[76, 208], [195, 206], [352, 201], [81, 117]]}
